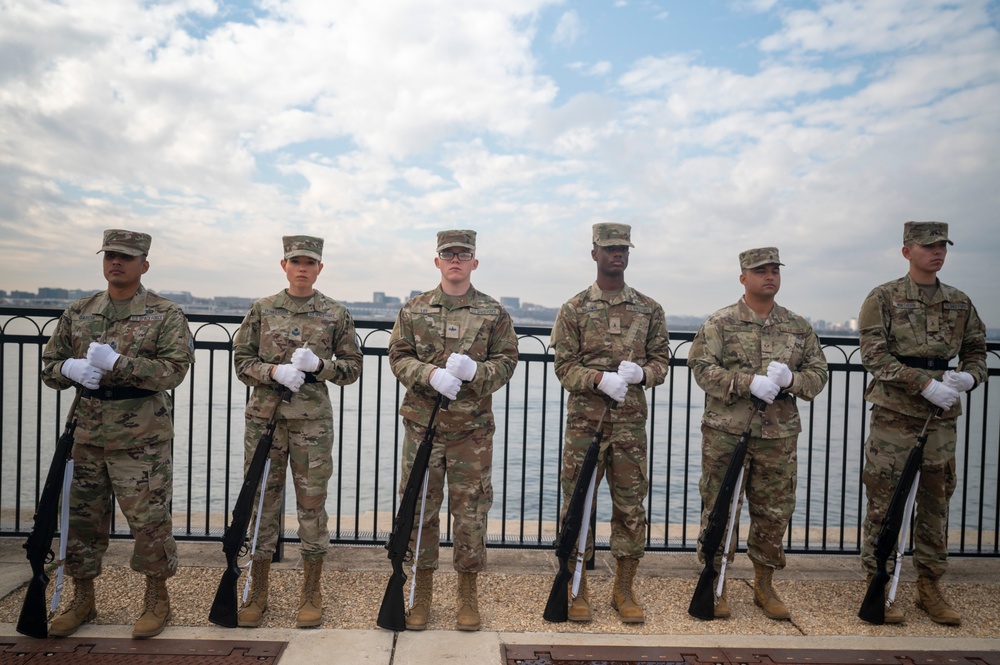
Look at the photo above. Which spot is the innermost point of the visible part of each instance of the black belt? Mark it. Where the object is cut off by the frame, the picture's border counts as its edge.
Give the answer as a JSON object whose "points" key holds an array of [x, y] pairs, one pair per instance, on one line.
{"points": [[311, 378], [114, 393], [784, 395], [924, 363]]}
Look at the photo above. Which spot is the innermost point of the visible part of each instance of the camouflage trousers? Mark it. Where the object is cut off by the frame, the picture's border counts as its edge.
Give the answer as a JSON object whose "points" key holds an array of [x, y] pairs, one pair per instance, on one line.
{"points": [[306, 445], [892, 436], [622, 459], [769, 481], [141, 478], [466, 458]]}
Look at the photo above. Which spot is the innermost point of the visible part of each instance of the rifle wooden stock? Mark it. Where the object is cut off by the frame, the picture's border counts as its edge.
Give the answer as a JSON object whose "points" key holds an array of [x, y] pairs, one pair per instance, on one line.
{"points": [[873, 606], [34, 618], [702, 604], [225, 607], [392, 612], [557, 605]]}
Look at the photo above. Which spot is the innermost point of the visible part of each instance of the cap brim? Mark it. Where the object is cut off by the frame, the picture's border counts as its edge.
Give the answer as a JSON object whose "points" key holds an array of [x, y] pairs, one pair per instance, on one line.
{"points": [[311, 255], [121, 249]]}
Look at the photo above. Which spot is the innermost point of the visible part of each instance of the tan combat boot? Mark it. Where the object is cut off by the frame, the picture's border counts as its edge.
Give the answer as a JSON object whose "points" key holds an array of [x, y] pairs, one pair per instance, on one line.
{"points": [[468, 602], [893, 613], [423, 595], [623, 595], [81, 610], [579, 607], [311, 607], [252, 613], [764, 595], [931, 600], [156, 611], [721, 610]]}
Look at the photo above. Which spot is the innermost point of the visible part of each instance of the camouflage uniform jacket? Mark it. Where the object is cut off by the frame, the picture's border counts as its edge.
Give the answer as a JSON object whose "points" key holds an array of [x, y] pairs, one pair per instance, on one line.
{"points": [[427, 333], [734, 345], [271, 331], [154, 341], [897, 320], [592, 335]]}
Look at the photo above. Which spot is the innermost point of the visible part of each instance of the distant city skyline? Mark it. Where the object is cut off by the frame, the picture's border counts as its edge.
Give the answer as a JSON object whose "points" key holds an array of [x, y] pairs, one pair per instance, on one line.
{"points": [[381, 304]]}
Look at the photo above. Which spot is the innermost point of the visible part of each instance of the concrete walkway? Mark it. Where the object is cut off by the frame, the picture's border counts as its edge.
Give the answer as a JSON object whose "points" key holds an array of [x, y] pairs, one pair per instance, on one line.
{"points": [[823, 593]]}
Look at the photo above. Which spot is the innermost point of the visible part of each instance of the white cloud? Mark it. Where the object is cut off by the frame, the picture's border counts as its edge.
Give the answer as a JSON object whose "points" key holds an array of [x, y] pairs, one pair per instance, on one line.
{"points": [[568, 29]]}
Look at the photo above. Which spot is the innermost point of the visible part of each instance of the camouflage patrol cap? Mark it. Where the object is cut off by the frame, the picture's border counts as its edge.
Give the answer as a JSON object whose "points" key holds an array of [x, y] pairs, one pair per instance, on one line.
{"points": [[925, 233], [303, 246], [612, 235], [456, 238], [130, 243], [761, 256]]}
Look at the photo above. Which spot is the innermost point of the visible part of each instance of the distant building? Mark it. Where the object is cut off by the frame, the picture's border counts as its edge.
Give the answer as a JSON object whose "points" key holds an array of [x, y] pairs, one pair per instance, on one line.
{"points": [[49, 293], [510, 302]]}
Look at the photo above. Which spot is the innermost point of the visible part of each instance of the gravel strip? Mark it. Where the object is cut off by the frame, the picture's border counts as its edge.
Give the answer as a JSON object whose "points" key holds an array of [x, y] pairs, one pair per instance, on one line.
{"points": [[514, 602]]}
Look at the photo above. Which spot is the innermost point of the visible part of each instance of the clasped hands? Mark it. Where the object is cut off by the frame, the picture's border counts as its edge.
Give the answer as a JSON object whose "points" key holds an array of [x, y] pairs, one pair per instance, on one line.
{"points": [[615, 384], [292, 375], [101, 358], [459, 368]]}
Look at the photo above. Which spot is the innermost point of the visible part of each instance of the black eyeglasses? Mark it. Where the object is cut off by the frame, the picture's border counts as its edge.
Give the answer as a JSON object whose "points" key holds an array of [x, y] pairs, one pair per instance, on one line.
{"points": [[462, 256]]}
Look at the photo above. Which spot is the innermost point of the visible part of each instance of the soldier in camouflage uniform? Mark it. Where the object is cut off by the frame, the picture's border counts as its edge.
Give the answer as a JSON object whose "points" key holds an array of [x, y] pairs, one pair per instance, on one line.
{"points": [[756, 348], [911, 328], [611, 343], [457, 343], [296, 339], [124, 348]]}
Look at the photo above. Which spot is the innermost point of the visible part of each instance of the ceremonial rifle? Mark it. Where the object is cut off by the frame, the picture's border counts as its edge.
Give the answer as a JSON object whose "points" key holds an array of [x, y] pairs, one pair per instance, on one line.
{"points": [[225, 607], [392, 613], [873, 606], [703, 601], [34, 620], [577, 511]]}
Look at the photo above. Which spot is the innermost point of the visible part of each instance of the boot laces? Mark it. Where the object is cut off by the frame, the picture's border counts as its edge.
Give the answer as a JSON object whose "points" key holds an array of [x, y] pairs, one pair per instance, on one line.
{"points": [[152, 595]]}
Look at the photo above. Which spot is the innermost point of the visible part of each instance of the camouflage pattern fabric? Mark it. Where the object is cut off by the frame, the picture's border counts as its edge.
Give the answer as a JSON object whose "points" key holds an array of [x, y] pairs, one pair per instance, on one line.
{"points": [[123, 445], [432, 326], [732, 346], [898, 320], [769, 482], [466, 457], [271, 331], [592, 335], [307, 446], [428, 329], [890, 440], [623, 461]]}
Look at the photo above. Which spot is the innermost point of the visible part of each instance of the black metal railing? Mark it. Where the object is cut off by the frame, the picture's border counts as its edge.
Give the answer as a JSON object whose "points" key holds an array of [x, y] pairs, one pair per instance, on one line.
{"points": [[530, 416]]}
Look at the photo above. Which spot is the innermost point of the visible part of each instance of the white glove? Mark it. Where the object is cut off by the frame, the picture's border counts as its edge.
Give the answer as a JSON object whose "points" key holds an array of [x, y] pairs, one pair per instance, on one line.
{"points": [[462, 367], [102, 356], [629, 371], [445, 383], [958, 381], [780, 374], [80, 371], [305, 360], [289, 377], [939, 394], [613, 386], [764, 388]]}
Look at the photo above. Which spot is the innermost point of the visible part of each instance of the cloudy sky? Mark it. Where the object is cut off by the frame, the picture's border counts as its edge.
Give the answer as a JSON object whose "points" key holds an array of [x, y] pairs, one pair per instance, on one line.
{"points": [[710, 126]]}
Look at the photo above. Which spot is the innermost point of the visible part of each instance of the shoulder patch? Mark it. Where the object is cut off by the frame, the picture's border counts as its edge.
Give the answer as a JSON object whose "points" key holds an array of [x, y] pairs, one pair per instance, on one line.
{"points": [[906, 305], [956, 305], [642, 309]]}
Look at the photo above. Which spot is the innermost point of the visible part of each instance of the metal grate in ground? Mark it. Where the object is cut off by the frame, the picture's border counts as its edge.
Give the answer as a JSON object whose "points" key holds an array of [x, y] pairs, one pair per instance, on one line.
{"points": [[97, 651], [608, 655]]}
